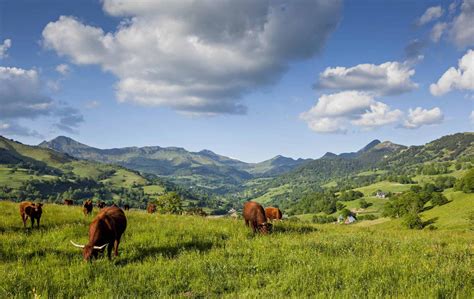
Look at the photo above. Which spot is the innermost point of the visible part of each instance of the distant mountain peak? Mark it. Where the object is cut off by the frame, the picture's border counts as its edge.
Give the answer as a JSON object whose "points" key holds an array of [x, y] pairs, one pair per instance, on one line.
{"points": [[370, 146], [329, 155]]}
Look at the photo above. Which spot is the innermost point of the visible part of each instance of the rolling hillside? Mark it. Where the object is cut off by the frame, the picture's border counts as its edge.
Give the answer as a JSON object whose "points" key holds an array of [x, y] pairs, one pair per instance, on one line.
{"points": [[37, 173], [205, 169]]}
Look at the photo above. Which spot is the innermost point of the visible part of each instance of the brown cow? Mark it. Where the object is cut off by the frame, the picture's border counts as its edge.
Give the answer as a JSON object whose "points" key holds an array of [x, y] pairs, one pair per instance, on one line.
{"points": [[106, 229], [32, 210], [68, 202], [254, 215], [126, 207], [101, 204], [273, 213], [151, 208], [87, 207]]}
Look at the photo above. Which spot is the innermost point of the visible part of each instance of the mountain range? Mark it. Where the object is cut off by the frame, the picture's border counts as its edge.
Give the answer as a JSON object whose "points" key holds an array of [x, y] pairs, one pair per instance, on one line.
{"points": [[203, 169]]}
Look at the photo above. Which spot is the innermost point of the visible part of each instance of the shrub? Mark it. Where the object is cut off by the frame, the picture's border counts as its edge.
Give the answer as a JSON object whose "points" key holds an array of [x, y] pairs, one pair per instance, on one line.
{"points": [[412, 221], [438, 199], [364, 204]]}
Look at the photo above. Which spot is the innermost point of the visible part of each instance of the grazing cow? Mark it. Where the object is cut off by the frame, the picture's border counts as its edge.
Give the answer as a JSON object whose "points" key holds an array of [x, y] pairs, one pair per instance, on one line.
{"points": [[68, 202], [151, 208], [254, 215], [32, 210], [126, 207], [105, 230], [101, 204], [87, 207], [273, 213]]}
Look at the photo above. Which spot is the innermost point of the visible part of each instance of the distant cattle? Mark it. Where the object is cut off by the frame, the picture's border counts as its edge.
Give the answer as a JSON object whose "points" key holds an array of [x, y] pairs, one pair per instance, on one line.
{"points": [[68, 202], [151, 208], [254, 216], [105, 230], [126, 207], [101, 204], [273, 213], [87, 207], [32, 210]]}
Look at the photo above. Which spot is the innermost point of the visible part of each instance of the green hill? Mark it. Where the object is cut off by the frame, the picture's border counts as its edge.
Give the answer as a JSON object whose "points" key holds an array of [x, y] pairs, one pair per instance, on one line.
{"points": [[205, 169], [37, 173]]}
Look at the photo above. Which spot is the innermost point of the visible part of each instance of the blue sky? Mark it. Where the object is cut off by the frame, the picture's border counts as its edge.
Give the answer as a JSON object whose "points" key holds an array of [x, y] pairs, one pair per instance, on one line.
{"points": [[246, 79]]}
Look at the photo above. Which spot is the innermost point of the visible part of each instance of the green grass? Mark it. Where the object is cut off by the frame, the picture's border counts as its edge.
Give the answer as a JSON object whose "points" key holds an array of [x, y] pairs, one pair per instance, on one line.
{"points": [[184, 256], [271, 193], [17, 178], [125, 178], [154, 189], [385, 186]]}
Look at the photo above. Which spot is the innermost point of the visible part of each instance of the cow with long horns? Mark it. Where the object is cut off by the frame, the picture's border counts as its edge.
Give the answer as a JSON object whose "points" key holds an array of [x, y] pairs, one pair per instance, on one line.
{"points": [[105, 230]]}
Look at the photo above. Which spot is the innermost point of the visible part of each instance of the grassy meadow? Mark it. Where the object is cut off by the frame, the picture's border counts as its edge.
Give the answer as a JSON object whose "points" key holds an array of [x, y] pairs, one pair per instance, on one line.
{"points": [[187, 256]]}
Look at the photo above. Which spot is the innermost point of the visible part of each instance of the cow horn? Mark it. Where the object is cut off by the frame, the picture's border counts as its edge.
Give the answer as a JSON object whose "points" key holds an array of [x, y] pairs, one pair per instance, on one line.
{"points": [[77, 245], [100, 247]]}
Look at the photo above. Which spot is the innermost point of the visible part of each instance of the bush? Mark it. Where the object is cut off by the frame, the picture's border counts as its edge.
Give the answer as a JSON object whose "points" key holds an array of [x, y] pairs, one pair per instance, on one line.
{"points": [[367, 217], [364, 204], [466, 183], [324, 219], [412, 221], [340, 206], [438, 199]]}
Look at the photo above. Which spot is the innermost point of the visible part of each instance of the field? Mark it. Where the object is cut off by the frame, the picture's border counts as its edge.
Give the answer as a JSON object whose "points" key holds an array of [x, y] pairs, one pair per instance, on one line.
{"points": [[185, 256]]}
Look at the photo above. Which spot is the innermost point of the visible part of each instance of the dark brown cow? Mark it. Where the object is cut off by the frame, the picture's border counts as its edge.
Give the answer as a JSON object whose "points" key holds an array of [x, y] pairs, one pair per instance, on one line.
{"points": [[68, 202], [151, 208], [87, 207], [126, 207], [106, 229], [32, 210], [101, 204], [254, 216], [273, 213]]}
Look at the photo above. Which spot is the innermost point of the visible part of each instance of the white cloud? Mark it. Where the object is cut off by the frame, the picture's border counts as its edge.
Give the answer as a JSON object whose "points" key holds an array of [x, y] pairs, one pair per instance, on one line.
{"points": [[197, 56], [63, 69], [431, 14], [335, 112], [21, 96], [461, 78], [437, 31], [388, 78], [379, 114], [419, 117], [462, 30], [4, 48]]}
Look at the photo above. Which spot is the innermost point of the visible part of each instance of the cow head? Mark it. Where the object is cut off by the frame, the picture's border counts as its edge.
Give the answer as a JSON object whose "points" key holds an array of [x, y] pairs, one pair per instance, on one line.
{"points": [[89, 251], [265, 227], [38, 208]]}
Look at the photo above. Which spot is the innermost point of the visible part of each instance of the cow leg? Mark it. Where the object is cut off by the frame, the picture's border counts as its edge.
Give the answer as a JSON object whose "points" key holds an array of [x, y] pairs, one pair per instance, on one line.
{"points": [[24, 218], [109, 250], [38, 222], [247, 223], [254, 226], [116, 245], [32, 221]]}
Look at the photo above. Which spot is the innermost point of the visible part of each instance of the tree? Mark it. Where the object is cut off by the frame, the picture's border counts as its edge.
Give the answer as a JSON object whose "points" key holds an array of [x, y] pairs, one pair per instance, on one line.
{"points": [[466, 183], [170, 203], [413, 221], [364, 204]]}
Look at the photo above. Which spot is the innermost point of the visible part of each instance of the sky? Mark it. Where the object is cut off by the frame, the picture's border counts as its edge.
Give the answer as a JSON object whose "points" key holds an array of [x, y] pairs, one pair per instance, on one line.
{"points": [[246, 79]]}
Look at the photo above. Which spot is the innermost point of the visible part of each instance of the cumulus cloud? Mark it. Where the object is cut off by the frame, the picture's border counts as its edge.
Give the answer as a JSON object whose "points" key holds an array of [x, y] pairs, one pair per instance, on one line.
{"points": [[430, 14], [419, 117], [63, 69], [196, 56], [333, 113], [21, 97], [462, 30], [4, 48], [437, 31], [378, 115], [461, 78], [388, 78]]}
